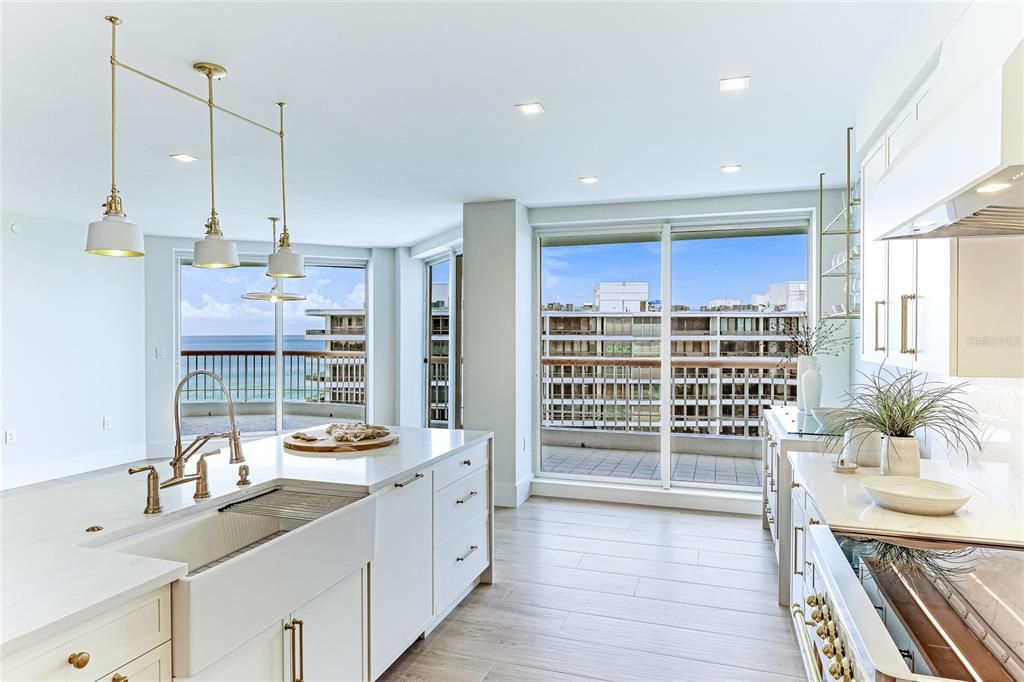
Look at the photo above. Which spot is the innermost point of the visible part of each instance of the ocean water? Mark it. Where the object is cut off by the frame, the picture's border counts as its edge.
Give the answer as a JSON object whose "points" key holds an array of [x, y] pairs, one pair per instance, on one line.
{"points": [[251, 379], [242, 342]]}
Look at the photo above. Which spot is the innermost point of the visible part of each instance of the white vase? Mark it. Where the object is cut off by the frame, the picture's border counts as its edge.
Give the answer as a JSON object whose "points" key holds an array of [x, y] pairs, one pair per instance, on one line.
{"points": [[808, 381], [803, 363], [901, 456], [862, 446]]}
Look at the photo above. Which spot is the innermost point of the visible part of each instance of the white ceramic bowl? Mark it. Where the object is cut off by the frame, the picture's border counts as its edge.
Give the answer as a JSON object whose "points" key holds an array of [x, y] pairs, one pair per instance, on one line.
{"points": [[915, 495]]}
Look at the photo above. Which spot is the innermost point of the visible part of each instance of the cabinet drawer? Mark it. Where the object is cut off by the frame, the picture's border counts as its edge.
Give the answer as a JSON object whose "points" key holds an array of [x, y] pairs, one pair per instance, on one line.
{"points": [[459, 465], [460, 503], [459, 561], [110, 640], [154, 666]]}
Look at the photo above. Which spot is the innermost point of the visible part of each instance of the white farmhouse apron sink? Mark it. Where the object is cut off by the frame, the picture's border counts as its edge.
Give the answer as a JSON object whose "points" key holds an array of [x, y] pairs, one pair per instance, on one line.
{"points": [[248, 568]]}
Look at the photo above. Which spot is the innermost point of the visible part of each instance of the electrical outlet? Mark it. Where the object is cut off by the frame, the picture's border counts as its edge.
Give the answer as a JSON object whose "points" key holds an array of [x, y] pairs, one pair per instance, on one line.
{"points": [[10, 437], [108, 423]]}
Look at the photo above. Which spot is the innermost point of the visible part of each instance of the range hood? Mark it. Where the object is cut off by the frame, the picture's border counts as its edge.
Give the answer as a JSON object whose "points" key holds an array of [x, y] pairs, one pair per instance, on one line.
{"points": [[966, 173], [993, 207]]}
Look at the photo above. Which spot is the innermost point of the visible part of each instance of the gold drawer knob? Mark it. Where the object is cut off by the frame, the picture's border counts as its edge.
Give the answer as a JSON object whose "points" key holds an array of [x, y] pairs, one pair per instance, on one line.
{"points": [[118, 677], [79, 660]]}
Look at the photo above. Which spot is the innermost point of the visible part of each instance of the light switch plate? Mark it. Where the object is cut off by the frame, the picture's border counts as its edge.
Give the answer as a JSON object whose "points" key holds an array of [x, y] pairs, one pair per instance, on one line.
{"points": [[108, 422], [10, 437]]}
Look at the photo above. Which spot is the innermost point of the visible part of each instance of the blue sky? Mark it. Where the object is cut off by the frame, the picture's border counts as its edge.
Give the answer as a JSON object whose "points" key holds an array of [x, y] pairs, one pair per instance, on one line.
{"points": [[211, 300], [702, 269]]}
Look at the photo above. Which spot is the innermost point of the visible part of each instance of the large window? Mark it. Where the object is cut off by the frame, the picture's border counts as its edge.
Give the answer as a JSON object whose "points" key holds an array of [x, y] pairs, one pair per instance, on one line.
{"points": [[319, 375], [607, 390], [444, 342]]}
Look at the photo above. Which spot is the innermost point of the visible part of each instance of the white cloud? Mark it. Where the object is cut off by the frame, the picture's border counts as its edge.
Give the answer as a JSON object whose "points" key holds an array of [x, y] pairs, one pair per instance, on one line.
{"points": [[212, 309], [357, 297]]}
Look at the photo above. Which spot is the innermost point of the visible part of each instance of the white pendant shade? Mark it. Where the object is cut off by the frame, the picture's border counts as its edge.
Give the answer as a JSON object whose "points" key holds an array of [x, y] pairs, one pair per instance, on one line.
{"points": [[213, 251], [113, 235], [286, 263]]}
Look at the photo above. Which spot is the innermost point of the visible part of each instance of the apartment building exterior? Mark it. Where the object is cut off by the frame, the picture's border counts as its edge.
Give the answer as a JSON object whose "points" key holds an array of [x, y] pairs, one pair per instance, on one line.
{"points": [[338, 375], [601, 370]]}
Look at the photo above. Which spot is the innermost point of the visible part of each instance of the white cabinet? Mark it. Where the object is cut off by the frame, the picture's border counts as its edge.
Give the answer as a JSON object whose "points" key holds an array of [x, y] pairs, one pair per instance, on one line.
{"points": [[324, 639], [153, 666], [333, 640], [874, 266], [97, 648], [401, 573]]}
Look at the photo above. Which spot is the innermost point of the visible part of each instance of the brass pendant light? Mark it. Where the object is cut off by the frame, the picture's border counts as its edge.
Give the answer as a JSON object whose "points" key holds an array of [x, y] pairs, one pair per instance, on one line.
{"points": [[285, 261], [113, 235], [213, 251], [276, 293]]}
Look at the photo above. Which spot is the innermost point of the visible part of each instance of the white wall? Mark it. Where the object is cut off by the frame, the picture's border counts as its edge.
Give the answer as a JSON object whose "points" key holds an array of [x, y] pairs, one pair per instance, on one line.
{"points": [[412, 335], [499, 339], [72, 353], [161, 315]]}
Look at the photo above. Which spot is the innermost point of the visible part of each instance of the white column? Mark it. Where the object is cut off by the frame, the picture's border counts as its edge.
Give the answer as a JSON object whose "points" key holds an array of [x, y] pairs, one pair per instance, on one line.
{"points": [[666, 356], [499, 341]]}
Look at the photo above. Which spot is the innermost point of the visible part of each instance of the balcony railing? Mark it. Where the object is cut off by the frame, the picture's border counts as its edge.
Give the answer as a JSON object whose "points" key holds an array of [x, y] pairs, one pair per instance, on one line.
{"points": [[713, 396], [336, 377]]}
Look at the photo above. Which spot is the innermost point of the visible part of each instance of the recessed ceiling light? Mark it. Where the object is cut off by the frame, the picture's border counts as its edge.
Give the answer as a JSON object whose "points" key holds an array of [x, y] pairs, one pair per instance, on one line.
{"points": [[993, 187], [732, 168], [531, 108], [738, 83], [184, 158], [589, 179]]}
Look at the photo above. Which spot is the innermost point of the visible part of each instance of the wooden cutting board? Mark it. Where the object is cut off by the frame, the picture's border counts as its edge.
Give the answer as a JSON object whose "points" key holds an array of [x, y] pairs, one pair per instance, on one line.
{"points": [[328, 444]]}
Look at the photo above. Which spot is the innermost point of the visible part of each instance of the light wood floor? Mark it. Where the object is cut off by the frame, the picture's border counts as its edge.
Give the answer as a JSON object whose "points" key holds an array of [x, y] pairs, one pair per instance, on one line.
{"points": [[588, 590]]}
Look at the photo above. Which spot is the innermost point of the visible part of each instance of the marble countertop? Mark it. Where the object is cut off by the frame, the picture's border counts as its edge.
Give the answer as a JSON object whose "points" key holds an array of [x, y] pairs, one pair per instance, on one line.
{"points": [[846, 507], [50, 581]]}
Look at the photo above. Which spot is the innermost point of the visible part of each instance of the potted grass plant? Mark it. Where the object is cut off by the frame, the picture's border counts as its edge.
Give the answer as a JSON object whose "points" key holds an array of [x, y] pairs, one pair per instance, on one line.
{"points": [[899, 403], [805, 344]]}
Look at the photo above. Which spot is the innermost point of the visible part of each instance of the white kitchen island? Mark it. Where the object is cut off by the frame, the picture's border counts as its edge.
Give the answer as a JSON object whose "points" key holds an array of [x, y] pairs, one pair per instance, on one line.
{"points": [[68, 591]]}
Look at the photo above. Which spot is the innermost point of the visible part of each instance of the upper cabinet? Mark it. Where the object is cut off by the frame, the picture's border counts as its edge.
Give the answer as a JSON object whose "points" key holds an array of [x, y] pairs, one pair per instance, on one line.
{"points": [[950, 306]]}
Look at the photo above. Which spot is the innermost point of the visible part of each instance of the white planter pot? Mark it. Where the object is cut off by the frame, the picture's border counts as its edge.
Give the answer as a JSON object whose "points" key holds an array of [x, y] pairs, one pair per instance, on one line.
{"points": [[863, 446], [810, 386], [803, 364], [901, 456]]}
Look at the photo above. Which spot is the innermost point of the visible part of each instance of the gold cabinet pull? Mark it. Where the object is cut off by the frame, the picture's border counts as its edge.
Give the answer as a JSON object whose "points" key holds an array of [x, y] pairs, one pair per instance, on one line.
{"points": [[411, 480], [904, 317], [467, 498], [472, 548], [877, 318], [79, 660], [796, 549], [118, 677], [298, 653], [302, 649]]}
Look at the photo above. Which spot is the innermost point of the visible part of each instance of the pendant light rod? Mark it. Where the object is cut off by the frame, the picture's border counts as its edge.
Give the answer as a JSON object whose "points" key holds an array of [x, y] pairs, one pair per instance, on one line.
{"points": [[182, 91], [113, 205], [209, 99], [285, 241]]}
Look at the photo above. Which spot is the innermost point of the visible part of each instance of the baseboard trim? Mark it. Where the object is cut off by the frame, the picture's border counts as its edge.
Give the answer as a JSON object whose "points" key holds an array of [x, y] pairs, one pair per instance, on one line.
{"points": [[508, 495], [728, 501]]}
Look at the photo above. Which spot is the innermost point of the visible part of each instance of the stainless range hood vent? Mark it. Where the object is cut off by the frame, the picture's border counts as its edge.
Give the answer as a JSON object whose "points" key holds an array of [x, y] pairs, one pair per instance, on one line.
{"points": [[994, 221]]}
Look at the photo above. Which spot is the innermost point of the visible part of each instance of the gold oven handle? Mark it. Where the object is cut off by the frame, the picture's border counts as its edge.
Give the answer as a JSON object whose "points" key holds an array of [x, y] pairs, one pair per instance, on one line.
{"points": [[877, 318], [806, 647], [904, 316]]}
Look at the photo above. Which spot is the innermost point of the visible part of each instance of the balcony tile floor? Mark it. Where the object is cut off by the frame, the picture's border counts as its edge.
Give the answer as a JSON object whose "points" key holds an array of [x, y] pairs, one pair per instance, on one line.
{"points": [[635, 464]]}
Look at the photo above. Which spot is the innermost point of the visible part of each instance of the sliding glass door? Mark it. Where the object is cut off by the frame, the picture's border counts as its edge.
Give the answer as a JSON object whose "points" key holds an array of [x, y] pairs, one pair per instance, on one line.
{"points": [[600, 372], [660, 348], [287, 365]]}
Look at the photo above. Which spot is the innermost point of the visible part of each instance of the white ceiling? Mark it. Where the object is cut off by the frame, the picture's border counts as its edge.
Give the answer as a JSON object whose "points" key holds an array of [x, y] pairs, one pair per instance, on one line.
{"points": [[399, 113]]}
